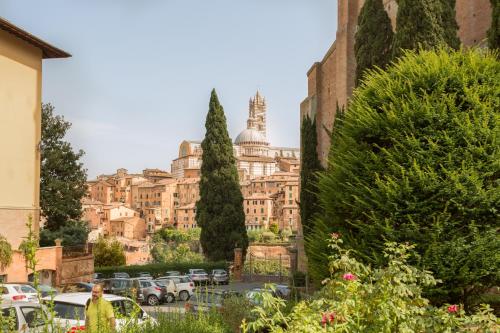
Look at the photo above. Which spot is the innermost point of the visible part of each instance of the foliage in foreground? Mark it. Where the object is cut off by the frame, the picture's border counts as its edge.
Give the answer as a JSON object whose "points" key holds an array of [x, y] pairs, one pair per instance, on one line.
{"points": [[108, 253], [5, 253], [219, 212], [358, 298], [417, 160]]}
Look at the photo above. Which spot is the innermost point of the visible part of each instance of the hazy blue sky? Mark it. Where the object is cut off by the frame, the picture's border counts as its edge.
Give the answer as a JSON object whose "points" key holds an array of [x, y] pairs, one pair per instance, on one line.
{"points": [[141, 73]]}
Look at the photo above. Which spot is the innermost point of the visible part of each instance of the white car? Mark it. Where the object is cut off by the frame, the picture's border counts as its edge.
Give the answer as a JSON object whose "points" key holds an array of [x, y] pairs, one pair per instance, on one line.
{"points": [[26, 317], [184, 286], [69, 310], [18, 292], [199, 276]]}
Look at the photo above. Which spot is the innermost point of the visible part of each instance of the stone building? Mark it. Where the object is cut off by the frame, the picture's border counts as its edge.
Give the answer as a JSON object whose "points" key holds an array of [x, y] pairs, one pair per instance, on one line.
{"points": [[185, 216], [331, 80]]}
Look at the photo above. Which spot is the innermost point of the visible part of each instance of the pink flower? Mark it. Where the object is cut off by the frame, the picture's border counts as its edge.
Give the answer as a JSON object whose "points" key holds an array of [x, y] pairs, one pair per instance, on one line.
{"points": [[324, 320], [331, 317], [335, 235], [349, 277], [453, 308]]}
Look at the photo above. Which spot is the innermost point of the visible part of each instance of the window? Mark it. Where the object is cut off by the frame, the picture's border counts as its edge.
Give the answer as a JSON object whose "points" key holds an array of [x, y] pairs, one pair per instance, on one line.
{"points": [[262, 210], [69, 311], [256, 219], [290, 194], [255, 211], [291, 212], [248, 210], [290, 202], [290, 187]]}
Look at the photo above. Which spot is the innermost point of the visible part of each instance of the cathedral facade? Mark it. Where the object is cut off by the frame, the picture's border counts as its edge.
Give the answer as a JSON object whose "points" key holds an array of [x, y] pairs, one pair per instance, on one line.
{"points": [[254, 155]]}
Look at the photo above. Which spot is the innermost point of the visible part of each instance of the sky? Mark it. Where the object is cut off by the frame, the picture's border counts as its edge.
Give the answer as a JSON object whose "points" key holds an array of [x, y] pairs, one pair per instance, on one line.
{"points": [[141, 72]]}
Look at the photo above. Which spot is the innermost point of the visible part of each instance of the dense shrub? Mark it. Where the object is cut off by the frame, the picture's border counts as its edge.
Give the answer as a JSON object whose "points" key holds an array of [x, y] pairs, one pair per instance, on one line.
{"points": [[160, 269], [417, 160], [108, 252], [358, 298]]}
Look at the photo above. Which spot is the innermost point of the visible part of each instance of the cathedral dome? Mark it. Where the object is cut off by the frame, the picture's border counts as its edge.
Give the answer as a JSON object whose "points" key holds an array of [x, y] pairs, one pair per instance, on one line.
{"points": [[252, 136]]}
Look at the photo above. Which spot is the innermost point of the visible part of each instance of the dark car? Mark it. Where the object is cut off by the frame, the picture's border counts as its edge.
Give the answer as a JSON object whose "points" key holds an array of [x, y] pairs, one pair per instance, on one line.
{"points": [[77, 287], [97, 277], [208, 300], [123, 287], [219, 276], [121, 275]]}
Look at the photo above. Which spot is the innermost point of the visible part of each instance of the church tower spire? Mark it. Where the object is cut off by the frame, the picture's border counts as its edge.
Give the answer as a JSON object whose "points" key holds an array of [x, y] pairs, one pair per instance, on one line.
{"points": [[257, 114]]}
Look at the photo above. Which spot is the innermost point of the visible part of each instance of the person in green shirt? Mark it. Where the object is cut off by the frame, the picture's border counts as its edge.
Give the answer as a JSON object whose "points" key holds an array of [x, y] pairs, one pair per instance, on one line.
{"points": [[99, 314]]}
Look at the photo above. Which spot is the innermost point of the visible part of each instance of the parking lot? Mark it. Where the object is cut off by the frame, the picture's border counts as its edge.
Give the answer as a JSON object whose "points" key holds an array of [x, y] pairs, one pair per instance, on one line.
{"points": [[178, 306]]}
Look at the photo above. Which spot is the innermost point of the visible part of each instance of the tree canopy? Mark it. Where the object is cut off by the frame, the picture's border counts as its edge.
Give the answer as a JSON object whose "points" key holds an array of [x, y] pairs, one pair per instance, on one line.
{"points": [[62, 175]]}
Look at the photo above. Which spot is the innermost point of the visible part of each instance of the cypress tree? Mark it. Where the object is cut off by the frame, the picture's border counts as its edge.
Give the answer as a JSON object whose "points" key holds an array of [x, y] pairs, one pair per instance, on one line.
{"points": [[449, 23], [424, 24], [373, 40], [219, 212], [494, 32], [308, 173]]}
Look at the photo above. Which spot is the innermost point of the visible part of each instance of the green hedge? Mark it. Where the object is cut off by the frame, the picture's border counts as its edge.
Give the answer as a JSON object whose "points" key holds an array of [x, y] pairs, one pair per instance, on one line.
{"points": [[160, 269]]}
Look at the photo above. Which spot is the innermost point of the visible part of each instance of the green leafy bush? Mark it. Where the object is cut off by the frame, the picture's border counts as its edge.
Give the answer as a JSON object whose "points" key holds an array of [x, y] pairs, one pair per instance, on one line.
{"points": [[5, 253], [164, 253], [358, 298], [417, 160], [160, 269], [108, 252]]}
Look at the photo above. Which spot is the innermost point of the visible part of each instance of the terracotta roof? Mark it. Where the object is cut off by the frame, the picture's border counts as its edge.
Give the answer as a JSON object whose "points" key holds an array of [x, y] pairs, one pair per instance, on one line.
{"points": [[48, 51]]}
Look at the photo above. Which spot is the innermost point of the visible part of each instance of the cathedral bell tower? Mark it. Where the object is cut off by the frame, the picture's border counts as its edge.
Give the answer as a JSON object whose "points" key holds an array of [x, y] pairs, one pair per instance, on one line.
{"points": [[257, 114]]}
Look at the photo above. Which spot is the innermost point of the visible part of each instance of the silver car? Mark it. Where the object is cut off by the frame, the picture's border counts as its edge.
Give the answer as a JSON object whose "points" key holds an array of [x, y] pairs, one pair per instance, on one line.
{"points": [[219, 276], [26, 317], [155, 293], [184, 287], [199, 276]]}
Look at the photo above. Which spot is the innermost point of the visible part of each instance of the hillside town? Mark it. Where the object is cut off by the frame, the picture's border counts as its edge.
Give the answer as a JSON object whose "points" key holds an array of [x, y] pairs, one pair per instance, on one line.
{"points": [[132, 207]]}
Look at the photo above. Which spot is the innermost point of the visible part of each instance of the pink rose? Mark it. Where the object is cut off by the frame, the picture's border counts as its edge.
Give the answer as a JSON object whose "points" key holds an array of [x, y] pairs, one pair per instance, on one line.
{"points": [[349, 277], [324, 320], [331, 317], [453, 308]]}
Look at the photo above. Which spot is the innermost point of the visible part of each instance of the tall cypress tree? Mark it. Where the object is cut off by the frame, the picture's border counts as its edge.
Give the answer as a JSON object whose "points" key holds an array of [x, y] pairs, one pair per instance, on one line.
{"points": [[494, 32], [308, 173], [425, 24], [373, 40], [219, 212]]}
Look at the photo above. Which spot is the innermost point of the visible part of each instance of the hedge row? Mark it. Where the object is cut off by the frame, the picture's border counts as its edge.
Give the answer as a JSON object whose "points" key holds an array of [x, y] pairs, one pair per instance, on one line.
{"points": [[157, 270]]}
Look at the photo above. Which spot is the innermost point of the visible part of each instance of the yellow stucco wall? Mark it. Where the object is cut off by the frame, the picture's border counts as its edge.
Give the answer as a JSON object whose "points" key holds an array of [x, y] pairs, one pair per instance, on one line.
{"points": [[20, 127]]}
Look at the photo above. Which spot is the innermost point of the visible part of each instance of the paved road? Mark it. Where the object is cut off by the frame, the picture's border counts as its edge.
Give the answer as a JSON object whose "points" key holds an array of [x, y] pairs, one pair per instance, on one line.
{"points": [[178, 307]]}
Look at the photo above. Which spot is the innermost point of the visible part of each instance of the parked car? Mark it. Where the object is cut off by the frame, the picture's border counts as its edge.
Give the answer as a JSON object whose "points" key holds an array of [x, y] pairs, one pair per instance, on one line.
{"points": [[123, 287], [18, 292], [27, 317], [173, 273], [145, 275], [77, 287], [97, 277], [280, 290], [121, 275], [199, 276], [44, 289], [69, 310], [184, 287], [219, 276], [207, 300], [154, 293]]}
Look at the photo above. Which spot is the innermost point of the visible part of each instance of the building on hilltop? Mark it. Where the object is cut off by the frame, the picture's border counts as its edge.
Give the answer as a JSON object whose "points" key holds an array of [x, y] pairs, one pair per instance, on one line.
{"points": [[331, 81], [254, 155]]}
